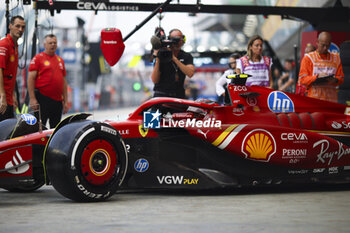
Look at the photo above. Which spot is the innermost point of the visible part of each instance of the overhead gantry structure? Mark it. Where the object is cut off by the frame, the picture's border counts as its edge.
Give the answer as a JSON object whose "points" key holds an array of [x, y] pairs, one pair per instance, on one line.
{"points": [[335, 18]]}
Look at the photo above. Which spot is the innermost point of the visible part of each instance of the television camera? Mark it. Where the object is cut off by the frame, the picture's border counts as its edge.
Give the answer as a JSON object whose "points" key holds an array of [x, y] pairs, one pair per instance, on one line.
{"points": [[160, 41]]}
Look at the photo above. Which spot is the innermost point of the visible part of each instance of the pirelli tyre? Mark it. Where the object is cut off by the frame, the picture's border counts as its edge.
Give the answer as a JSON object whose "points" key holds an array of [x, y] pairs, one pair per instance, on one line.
{"points": [[6, 128], [86, 161]]}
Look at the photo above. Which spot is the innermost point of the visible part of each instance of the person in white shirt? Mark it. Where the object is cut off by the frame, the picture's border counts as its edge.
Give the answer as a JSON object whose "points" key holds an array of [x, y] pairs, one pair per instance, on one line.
{"points": [[222, 82]]}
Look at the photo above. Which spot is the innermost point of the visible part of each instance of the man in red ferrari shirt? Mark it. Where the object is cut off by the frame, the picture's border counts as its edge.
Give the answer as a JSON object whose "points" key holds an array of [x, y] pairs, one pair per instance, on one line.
{"points": [[8, 67], [47, 85]]}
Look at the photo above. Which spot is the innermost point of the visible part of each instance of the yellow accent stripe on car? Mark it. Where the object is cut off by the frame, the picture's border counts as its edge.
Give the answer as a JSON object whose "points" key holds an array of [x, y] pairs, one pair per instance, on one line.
{"points": [[223, 135], [334, 133], [231, 136]]}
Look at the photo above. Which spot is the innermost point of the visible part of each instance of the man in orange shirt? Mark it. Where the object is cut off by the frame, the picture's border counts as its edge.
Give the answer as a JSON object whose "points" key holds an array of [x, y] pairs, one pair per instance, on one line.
{"points": [[47, 85], [321, 72], [8, 67]]}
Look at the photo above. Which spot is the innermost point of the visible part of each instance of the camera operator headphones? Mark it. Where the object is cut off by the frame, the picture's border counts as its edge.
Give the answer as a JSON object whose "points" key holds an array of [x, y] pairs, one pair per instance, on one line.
{"points": [[183, 36]]}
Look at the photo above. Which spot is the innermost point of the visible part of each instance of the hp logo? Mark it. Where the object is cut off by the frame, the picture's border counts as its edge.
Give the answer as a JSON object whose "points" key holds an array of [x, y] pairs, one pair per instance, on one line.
{"points": [[29, 119], [141, 165], [279, 102]]}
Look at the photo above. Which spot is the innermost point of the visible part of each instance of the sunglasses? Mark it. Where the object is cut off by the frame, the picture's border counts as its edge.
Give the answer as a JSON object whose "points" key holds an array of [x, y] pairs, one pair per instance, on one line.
{"points": [[230, 63]]}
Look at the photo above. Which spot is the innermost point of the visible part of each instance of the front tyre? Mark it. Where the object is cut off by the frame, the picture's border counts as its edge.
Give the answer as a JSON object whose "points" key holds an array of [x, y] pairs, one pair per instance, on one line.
{"points": [[86, 161]]}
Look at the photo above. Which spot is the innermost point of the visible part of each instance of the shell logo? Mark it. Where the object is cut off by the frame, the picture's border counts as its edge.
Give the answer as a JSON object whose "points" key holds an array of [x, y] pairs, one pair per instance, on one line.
{"points": [[46, 63], [12, 58], [259, 144]]}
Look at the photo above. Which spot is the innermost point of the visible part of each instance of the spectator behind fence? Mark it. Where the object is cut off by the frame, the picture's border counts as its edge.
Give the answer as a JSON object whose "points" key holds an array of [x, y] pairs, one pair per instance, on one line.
{"points": [[255, 64], [169, 76], [8, 67], [47, 85], [222, 82], [321, 72], [287, 80]]}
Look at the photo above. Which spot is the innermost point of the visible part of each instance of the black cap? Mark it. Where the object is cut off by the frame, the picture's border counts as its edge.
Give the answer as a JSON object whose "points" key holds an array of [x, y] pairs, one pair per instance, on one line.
{"points": [[235, 55]]}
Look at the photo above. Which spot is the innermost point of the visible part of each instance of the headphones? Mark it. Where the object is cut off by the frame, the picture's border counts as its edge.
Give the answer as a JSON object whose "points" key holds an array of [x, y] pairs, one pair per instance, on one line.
{"points": [[183, 36]]}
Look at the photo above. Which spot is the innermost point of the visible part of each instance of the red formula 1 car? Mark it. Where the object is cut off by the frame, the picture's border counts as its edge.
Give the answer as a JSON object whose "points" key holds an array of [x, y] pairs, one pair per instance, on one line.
{"points": [[262, 137]]}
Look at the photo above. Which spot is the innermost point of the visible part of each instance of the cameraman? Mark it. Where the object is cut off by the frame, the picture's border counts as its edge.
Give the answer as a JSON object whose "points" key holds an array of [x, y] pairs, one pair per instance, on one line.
{"points": [[169, 76]]}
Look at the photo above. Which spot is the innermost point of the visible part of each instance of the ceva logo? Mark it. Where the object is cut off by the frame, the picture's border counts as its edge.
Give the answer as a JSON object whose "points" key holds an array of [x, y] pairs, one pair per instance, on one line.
{"points": [[279, 102], [91, 6]]}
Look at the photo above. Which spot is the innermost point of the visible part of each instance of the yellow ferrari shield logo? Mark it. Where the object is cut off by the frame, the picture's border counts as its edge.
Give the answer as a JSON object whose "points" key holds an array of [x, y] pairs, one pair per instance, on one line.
{"points": [[143, 131]]}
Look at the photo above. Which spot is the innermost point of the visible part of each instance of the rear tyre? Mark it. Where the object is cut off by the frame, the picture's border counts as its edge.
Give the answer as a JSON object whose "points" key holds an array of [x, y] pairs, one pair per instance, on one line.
{"points": [[86, 161]]}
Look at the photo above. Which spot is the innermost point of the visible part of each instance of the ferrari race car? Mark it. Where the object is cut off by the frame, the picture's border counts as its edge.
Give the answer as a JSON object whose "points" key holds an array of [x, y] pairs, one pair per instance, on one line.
{"points": [[261, 137]]}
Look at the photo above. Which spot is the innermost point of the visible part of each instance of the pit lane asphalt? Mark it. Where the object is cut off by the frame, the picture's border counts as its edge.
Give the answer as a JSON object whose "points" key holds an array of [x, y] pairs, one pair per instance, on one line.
{"points": [[302, 209], [268, 210]]}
